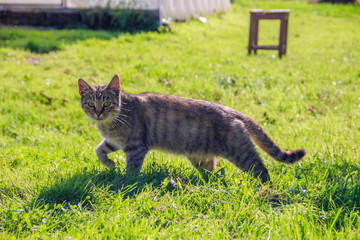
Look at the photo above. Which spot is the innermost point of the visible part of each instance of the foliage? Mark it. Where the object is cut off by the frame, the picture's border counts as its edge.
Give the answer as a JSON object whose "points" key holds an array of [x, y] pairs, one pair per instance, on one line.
{"points": [[45, 41], [53, 187], [119, 20]]}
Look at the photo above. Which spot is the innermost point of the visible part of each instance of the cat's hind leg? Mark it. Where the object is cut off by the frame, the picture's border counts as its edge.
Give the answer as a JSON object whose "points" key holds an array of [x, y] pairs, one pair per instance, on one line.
{"points": [[242, 153], [102, 150], [202, 163], [249, 160]]}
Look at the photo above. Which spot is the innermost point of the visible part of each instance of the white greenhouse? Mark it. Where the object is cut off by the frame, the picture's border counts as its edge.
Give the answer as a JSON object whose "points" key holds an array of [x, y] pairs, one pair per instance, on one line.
{"points": [[175, 9]]}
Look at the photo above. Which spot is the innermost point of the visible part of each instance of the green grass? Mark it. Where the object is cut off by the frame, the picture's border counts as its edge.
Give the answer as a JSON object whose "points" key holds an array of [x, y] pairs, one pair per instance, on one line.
{"points": [[53, 187], [48, 40]]}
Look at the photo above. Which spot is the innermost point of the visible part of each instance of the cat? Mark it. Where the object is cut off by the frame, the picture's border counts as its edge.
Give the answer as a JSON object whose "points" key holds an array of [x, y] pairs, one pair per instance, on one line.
{"points": [[198, 129]]}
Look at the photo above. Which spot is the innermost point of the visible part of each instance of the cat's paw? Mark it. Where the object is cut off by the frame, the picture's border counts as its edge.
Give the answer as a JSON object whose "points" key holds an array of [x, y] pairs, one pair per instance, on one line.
{"points": [[109, 164]]}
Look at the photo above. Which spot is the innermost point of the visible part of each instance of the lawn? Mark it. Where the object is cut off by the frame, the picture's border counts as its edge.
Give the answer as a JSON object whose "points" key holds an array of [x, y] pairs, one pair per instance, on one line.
{"points": [[52, 185]]}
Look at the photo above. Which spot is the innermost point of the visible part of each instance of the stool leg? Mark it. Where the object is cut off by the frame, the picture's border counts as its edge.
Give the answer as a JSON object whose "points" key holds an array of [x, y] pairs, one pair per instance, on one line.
{"points": [[283, 36], [251, 34], [286, 33], [256, 29]]}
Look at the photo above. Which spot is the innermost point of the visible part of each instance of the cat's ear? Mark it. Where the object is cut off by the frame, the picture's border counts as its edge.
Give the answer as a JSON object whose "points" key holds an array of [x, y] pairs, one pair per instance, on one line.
{"points": [[84, 86], [114, 84]]}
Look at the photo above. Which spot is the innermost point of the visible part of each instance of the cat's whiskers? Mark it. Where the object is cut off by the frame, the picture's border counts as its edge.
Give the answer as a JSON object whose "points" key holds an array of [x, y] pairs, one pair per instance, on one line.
{"points": [[115, 125], [123, 115], [123, 121], [126, 109], [117, 119]]}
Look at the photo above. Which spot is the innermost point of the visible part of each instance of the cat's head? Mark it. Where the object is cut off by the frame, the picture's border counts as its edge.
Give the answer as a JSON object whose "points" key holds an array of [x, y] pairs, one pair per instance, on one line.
{"points": [[101, 103]]}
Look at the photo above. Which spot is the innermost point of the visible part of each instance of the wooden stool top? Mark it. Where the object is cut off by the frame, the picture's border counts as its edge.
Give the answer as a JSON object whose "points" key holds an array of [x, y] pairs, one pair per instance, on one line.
{"points": [[270, 11]]}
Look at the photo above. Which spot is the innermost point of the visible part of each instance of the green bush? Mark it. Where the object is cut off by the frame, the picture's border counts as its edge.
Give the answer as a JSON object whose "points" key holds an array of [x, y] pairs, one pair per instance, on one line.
{"points": [[120, 20], [42, 45]]}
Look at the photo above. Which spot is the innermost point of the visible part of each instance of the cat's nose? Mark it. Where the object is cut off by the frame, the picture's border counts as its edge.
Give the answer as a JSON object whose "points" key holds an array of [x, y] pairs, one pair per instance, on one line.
{"points": [[98, 113]]}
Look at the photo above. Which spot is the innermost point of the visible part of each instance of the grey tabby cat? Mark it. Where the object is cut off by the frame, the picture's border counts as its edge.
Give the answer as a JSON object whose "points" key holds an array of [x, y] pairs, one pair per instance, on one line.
{"points": [[198, 129]]}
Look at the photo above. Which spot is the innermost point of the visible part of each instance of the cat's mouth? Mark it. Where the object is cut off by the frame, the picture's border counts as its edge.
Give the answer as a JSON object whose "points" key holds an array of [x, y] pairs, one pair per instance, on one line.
{"points": [[104, 119], [98, 118]]}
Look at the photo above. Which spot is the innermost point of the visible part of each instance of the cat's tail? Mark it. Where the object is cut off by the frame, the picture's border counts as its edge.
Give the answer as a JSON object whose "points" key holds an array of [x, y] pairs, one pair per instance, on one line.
{"points": [[260, 137]]}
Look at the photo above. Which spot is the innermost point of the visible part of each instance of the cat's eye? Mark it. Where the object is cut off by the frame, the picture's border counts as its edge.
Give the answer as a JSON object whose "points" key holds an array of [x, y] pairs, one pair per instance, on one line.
{"points": [[107, 104], [91, 104]]}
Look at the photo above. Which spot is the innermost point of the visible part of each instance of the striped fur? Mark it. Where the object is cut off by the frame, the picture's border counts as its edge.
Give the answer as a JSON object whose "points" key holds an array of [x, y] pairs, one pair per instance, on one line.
{"points": [[198, 129]]}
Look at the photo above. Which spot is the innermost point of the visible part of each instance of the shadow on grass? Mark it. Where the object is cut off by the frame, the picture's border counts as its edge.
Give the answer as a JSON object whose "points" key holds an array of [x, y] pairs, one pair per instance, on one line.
{"points": [[327, 186], [341, 190], [44, 41], [340, 183], [339, 197], [343, 187], [94, 185]]}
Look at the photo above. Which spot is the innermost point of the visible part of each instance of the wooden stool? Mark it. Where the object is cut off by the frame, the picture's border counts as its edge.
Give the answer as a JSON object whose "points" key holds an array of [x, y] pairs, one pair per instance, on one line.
{"points": [[255, 16]]}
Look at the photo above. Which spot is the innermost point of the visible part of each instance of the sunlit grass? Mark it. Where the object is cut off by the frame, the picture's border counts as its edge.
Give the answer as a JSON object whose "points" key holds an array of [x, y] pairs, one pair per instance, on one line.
{"points": [[52, 185]]}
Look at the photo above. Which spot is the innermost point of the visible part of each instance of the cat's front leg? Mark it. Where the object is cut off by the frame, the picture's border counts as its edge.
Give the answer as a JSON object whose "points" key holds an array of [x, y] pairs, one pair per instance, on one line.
{"points": [[135, 157], [102, 150]]}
